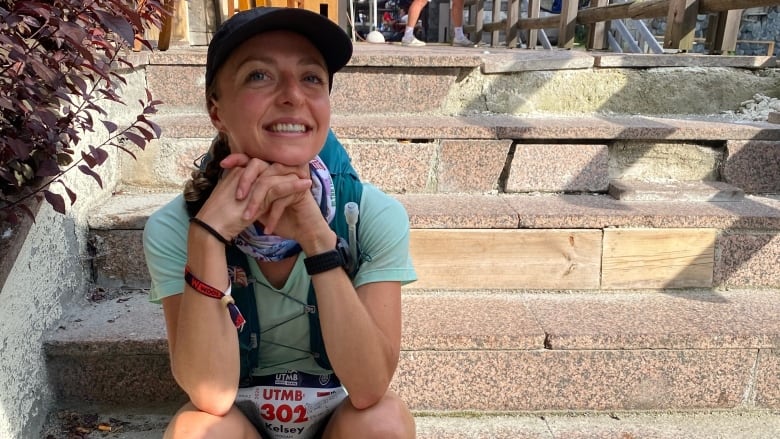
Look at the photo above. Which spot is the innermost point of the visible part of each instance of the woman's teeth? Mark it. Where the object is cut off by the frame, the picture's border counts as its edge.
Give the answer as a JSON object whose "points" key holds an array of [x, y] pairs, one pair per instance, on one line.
{"points": [[288, 128]]}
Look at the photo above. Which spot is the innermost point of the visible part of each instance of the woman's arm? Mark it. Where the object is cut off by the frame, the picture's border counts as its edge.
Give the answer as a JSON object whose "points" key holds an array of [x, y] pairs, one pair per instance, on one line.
{"points": [[202, 339], [361, 329], [203, 344], [362, 333]]}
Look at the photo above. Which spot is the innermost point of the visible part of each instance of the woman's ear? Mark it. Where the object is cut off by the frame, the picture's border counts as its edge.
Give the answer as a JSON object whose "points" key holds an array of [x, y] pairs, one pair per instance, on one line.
{"points": [[214, 116]]}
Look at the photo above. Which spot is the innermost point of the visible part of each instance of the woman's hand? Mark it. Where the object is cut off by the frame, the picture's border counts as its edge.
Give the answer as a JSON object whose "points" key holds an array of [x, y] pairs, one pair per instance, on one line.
{"points": [[277, 196]]}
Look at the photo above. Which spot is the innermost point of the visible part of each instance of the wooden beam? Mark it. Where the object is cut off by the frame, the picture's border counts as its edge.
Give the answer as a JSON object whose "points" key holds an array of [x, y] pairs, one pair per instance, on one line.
{"points": [[681, 24], [726, 31], [568, 23], [496, 18], [512, 14], [658, 258], [164, 40], [561, 259], [636, 10], [549, 22], [639, 9], [726, 5], [532, 36], [494, 27], [479, 20], [597, 32]]}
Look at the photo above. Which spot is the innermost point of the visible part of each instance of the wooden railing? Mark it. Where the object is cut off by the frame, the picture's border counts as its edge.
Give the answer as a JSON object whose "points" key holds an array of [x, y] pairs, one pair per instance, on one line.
{"points": [[724, 21]]}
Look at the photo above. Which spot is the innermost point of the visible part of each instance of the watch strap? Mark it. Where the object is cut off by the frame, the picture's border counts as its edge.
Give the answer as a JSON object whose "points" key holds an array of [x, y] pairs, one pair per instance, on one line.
{"points": [[328, 260]]}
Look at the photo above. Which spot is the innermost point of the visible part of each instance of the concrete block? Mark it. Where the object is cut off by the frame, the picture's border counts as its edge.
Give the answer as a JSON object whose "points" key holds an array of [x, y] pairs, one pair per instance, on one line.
{"points": [[395, 167], [753, 165], [382, 90], [767, 390], [471, 165], [712, 191], [558, 168], [118, 259], [508, 380], [745, 258]]}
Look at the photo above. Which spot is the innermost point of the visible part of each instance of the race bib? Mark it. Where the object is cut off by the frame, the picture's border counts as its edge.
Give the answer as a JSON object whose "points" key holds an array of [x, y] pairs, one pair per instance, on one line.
{"points": [[293, 405]]}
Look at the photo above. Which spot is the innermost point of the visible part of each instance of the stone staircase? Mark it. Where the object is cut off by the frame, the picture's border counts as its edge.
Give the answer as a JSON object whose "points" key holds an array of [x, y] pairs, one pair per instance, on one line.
{"points": [[583, 271]]}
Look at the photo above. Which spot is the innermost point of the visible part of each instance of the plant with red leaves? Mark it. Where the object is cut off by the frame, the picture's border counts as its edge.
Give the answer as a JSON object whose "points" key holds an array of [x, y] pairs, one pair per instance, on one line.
{"points": [[58, 62]]}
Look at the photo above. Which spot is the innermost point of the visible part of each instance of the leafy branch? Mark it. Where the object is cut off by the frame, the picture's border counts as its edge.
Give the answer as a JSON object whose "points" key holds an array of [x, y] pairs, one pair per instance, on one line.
{"points": [[57, 61]]}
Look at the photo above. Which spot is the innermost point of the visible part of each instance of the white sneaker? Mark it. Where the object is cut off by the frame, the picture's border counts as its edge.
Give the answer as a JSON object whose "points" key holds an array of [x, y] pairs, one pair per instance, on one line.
{"points": [[411, 42], [462, 42]]}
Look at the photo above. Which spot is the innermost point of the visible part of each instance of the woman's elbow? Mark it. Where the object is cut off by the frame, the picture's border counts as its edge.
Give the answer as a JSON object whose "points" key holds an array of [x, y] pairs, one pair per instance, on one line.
{"points": [[213, 398], [217, 404], [365, 398]]}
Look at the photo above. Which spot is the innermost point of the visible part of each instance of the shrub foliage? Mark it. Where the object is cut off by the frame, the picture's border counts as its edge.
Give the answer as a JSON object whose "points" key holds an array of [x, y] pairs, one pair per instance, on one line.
{"points": [[58, 61]]}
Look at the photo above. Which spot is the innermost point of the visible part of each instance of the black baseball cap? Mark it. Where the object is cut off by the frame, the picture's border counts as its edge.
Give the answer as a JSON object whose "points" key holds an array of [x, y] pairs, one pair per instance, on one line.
{"points": [[333, 43]]}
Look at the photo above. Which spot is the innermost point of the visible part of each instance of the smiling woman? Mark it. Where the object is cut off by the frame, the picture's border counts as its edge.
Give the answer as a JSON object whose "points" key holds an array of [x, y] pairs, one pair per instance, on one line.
{"points": [[272, 91], [301, 329]]}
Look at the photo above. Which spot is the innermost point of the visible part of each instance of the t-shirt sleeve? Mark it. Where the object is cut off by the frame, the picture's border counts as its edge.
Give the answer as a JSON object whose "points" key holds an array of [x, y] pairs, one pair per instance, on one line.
{"points": [[383, 234], [165, 249]]}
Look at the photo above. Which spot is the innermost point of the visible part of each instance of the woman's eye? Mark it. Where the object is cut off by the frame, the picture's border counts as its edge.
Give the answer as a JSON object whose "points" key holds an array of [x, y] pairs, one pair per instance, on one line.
{"points": [[257, 76], [315, 79]]}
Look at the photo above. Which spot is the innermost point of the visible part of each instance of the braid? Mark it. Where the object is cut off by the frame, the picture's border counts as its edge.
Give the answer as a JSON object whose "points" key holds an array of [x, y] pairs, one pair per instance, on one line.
{"points": [[198, 189]]}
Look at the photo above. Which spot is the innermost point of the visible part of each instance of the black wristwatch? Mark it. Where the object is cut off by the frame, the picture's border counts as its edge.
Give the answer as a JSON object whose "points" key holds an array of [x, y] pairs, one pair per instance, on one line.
{"points": [[338, 257]]}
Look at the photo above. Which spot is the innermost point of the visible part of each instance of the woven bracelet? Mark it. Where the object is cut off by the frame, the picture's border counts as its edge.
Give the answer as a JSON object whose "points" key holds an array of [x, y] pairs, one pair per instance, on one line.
{"points": [[226, 299], [211, 230]]}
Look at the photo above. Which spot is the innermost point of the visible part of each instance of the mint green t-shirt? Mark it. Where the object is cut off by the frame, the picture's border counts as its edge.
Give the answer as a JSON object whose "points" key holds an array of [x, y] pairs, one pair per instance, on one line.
{"points": [[384, 240]]}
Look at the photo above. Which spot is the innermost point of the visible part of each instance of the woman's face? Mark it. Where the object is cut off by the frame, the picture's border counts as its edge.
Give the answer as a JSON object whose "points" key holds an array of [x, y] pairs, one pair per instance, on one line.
{"points": [[273, 99]]}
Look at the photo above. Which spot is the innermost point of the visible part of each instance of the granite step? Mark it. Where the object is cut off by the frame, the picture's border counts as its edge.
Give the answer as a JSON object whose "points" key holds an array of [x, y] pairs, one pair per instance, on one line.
{"points": [[127, 424], [486, 351], [546, 242], [389, 79], [499, 153]]}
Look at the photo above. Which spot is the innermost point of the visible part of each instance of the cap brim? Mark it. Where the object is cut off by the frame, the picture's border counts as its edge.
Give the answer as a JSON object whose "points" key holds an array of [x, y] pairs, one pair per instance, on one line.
{"points": [[333, 43]]}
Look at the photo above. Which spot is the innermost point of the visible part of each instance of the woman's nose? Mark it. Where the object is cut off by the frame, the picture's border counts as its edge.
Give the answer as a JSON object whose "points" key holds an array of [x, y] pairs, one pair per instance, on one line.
{"points": [[290, 91]]}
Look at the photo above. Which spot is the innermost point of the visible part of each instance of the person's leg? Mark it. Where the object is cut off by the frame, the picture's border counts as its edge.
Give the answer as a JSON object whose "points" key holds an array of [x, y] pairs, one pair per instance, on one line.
{"points": [[389, 418], [414, 14], [459, 39], [191, 423], [457, 14]]}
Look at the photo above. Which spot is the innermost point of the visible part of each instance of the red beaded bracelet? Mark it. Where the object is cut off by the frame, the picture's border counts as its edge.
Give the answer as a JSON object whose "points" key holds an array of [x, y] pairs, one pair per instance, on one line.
{"points": [[226, 299]]}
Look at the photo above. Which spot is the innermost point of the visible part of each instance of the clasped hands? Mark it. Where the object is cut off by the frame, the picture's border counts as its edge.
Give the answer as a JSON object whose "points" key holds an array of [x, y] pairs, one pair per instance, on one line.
{"points": [[253, 190]]}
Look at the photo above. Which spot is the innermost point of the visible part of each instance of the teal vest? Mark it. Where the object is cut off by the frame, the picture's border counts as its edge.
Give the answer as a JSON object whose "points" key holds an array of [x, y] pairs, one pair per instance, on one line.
{"points": [[348, 188]]}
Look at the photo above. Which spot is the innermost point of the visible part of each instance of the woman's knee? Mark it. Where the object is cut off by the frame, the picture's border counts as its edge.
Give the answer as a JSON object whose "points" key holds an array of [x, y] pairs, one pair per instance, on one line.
{"points": [[389, 418], [191, 423]]}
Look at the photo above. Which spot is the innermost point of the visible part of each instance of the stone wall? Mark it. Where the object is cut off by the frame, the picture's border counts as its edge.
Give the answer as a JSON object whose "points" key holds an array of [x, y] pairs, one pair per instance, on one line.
{"points": [[760, 24], [49, 272]]}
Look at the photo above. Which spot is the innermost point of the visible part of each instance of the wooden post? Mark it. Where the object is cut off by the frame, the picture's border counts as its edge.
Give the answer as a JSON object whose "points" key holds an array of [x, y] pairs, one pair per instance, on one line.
{"points": [[726, 32], [479, 20], [597, 32], [494, 35], [164, 40], [532, 36], [567, 24], [512, 14], [681, 24]]}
